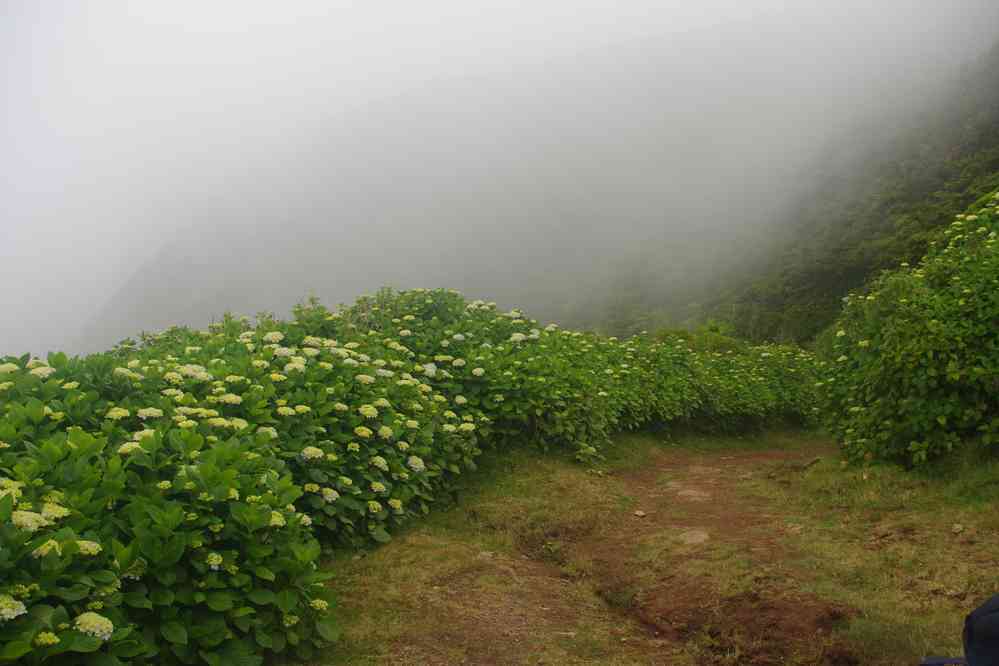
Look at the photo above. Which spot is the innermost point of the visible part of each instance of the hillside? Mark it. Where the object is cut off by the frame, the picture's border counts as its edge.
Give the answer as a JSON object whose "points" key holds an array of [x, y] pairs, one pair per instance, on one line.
{"points": [[875, 211], [870, 200]]}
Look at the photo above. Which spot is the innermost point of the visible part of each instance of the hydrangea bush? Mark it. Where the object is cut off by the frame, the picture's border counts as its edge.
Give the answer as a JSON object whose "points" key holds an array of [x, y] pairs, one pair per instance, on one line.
{"points": [[168, 501], [911, 369]]}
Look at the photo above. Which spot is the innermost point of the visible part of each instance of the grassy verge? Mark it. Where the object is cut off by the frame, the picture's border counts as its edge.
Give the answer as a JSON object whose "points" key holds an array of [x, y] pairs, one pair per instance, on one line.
{"points": [[748, 550]]}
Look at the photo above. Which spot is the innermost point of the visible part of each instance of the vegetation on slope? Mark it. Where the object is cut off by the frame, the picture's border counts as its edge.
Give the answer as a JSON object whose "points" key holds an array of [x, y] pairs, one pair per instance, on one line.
{"points": [[875, 211], [166, 502], [874, 199]]}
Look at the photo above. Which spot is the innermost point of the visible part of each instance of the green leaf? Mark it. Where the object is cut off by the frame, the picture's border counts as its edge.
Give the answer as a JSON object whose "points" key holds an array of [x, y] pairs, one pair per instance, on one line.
{"points": [[287, 600], [137, 600], [174, 632], [6, 507], [161, 596], [77, 642], [328, 628], [14, 650], [263, 638], [219, 601], [261, 597], [264, 573]]}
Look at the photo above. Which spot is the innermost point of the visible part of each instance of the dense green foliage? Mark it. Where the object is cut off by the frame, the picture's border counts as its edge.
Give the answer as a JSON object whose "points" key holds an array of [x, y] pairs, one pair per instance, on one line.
{"points": [[912, 369], [166, 502]]}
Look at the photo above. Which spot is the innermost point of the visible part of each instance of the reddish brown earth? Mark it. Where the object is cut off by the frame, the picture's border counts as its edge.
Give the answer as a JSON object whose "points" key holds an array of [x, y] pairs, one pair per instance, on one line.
{"points": [[688, 568]]}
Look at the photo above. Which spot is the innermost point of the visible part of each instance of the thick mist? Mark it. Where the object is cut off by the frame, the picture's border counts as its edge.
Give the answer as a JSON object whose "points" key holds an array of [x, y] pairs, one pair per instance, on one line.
{"points": [[163, 163]]}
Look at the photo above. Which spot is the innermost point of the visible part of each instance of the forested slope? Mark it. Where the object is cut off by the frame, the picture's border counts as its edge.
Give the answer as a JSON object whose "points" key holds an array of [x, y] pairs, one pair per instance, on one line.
{"points": [[874, 211]]}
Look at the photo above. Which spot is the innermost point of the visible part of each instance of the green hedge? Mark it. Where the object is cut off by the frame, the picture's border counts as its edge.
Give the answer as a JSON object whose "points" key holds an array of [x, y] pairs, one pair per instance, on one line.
{"points": [[167, 501], [911, 369]]}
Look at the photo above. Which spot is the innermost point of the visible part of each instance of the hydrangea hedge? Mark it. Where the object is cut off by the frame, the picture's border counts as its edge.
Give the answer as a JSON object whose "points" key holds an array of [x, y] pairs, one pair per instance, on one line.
{"points": [[168, 501], [911, 369]]}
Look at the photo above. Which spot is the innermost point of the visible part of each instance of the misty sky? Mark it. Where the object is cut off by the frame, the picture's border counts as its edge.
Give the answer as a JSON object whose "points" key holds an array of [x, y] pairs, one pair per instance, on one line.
{"points": [[162, 162]]}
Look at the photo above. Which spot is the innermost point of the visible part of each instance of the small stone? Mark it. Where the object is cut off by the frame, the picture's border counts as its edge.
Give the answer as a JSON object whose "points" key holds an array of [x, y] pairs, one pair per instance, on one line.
{"points": [[640, 513], [694, 495], [694, 537], [957, 528]]}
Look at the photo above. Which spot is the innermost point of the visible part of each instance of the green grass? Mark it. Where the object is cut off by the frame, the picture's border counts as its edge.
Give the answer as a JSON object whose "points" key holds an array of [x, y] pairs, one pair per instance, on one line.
{"points": [[529, 532]]}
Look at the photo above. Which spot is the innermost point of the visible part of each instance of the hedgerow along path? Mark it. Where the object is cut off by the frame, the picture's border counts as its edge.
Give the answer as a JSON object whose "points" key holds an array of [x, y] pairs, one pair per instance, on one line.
{"points": [[694, 549]]}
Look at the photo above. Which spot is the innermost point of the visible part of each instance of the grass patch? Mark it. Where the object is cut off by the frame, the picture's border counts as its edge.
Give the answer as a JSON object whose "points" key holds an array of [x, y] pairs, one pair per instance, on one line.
{"points": [[529, 564]]}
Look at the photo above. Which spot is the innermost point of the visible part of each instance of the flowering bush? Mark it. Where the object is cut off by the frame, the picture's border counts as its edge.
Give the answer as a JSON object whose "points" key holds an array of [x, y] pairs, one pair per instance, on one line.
{"points": [[910, 369], [166, 502]]}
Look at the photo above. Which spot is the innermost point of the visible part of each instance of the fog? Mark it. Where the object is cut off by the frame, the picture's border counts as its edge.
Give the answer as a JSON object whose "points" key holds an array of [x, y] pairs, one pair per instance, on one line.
{"points": [[164, 162]]}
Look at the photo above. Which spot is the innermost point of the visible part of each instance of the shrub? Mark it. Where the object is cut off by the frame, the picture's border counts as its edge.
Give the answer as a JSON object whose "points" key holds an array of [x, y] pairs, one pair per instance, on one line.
{"points": [[910, 369]]}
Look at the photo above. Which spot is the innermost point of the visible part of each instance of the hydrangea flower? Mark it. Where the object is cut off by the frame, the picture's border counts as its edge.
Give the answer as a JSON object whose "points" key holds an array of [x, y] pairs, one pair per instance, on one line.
{"points": [[117, 413], [363, 432], [49, 546], [29, 520], [10, 487], [10, 607], [415, 463], [43, 372], [380, 463], [312, 453], [95, 625], [131, 447], [53, 511]]}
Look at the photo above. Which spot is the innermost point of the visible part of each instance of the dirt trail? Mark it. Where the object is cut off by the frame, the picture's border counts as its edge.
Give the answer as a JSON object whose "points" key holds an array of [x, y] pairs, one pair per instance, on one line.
{"points": [[714, 564], [688, 567]]}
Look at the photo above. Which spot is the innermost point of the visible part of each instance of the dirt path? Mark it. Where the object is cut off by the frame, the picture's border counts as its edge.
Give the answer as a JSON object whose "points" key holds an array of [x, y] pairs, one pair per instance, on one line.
{"points": [[703, 564], [679, 556]]}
